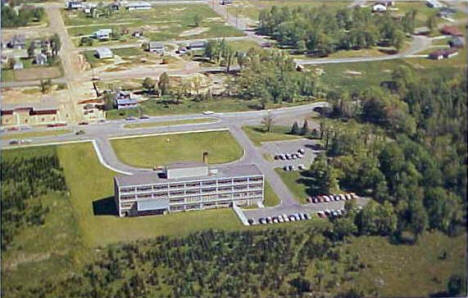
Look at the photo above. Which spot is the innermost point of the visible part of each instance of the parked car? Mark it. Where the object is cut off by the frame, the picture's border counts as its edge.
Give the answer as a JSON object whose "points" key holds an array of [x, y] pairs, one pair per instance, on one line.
{"points": [[130, 118], [208, 113], [291, 168], [301, 150], [144, 117], [286, 168], [348, 196], [83, 123], [275, 220], [292, 218], [261, 220], [288, 156], [306, 216], [286, 219], [321, 214], [13, 142], [300, 167], [250, 221]]}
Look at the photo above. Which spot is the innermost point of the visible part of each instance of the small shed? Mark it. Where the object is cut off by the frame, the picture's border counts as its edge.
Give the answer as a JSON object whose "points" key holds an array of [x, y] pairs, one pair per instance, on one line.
{"points": [[156, 47], [104, 53]]}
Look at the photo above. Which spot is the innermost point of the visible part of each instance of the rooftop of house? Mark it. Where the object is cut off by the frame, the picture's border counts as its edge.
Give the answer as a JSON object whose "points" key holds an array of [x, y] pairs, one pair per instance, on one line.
{"points": [[156, 45], [154, 178], [104, 51]]}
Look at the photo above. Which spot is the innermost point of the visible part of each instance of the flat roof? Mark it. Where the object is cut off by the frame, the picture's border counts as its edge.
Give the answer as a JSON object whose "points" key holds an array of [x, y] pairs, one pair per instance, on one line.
{"points": [[185, 165], [222, 172]]}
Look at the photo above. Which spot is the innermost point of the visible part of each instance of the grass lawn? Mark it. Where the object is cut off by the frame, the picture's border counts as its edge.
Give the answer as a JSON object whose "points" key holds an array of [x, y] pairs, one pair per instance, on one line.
{"points": [[32, 134], [160, 150], [295, 181], [243, 45], [271, 199], [278, 133], [8, 75], [409, 270], [168, 123], [162, 22], [159, 107]]}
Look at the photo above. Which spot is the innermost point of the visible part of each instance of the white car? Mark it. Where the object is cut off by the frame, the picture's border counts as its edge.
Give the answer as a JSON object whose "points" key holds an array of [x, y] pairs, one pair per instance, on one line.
{"points": [[208, 113]]}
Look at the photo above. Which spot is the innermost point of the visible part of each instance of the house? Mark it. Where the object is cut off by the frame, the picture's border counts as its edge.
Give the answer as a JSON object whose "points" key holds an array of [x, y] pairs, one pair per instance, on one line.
{"points": [[441, 54], [74, 5], [434, 4], [197, 45], [446, 12], [156, 47], [40, 59], [456, 42], [451, 30], [104, 53], [379, 7], [137, 34], [137, 5], [103, 34], [450, 53], [436, 55], [125, 100], [17, 42], [18, 65]]}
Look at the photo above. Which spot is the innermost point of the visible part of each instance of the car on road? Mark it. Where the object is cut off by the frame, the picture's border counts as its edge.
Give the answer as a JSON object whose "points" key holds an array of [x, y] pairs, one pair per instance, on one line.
{"points": [[130, 118], [83, 123], [144, 117], [208, 113]]}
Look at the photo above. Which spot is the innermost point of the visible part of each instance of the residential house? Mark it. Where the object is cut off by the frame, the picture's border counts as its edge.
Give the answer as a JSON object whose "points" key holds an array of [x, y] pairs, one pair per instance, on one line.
{"points": [[197, 45], [104, 53], [103, 34], [17, 42], [74, 5], [379, 7], [40, 59], [18, 65], [125, 100], [441, 54], [137, 5], [156, 47], [451, 30], [456, 42], [434, 4]]}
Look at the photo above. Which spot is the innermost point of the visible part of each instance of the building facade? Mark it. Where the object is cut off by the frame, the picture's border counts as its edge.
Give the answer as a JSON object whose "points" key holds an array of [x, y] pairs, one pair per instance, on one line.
{"points": [[30, 115], [188, 186]]}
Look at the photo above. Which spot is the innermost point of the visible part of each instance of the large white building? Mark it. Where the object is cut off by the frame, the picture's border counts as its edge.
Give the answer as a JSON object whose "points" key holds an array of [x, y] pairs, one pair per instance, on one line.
{"points": [[188, 186]]}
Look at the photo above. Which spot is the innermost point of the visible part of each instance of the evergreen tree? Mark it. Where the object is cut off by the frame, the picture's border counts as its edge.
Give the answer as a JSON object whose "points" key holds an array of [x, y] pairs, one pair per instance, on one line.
{"points": [[295, 128]]}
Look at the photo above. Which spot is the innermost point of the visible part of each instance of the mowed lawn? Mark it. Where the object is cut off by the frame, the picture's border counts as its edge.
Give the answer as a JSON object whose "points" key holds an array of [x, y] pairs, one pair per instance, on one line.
{"points": [[31, 134], [160, 150], [296, 182], [91, 188], [257, 134]]}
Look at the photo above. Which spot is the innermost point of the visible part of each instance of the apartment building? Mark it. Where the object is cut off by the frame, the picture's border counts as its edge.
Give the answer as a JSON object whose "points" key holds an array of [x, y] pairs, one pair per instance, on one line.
{"points": [[188, 186]]}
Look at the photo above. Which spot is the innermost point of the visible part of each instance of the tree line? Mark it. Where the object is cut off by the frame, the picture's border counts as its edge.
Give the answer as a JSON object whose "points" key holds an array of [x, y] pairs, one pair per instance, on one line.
{"points": [[322, 31], [24, 15]]}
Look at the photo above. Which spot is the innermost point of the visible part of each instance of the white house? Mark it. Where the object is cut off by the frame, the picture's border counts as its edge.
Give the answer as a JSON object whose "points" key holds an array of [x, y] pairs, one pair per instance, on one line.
{"points": [[137, 5], [434, 4], [379, 7], [156, 47], [103, 34], [103, 53], [74, 4]]}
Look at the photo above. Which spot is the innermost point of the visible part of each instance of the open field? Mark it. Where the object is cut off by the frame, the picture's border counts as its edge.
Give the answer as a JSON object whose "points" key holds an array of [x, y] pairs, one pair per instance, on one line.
{"points": [[38, 73], [174, 122], [160, 150], [258, 135], [31, 134], [163, 22]]}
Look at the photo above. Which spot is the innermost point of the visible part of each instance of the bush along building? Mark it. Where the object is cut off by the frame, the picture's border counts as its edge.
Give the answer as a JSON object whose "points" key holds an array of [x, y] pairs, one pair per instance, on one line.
{"points": [[188, 186]]}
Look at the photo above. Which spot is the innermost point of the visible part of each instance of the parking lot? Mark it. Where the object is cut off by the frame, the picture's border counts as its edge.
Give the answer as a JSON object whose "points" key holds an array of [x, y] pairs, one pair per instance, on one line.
{"points": [[284, 151], [311, 209]]}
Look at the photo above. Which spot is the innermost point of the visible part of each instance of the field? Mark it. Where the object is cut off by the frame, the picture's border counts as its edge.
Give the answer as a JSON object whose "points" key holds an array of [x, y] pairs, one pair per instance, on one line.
{"points": [[123, 57], [279, 133], [38, 73], [81, 224], [170, 123], [163, 22], [35, 134], [271, 199], [160, 150]]}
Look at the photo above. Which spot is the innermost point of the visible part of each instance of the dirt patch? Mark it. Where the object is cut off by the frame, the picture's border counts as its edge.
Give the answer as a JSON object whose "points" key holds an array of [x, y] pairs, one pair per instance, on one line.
{"points": [[194, 31], [23, 258], [37, 73]]}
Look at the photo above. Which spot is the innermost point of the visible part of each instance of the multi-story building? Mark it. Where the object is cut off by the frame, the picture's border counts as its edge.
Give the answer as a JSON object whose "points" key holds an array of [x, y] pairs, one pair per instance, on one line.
{"points": [[188, 186]]}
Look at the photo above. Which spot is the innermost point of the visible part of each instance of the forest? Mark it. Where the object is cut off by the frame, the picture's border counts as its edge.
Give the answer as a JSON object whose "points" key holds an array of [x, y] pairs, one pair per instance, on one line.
{"points": [[23, 182], [403, 144], [25, 15], [322, 31]]}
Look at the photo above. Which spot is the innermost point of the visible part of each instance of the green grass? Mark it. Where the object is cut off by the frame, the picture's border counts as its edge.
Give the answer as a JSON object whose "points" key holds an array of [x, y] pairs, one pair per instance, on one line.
{"points": [[127, 52], [33, 134], [243, 45], [8, 75], [95, 61], [159, 107], [271, 199], [294, 180], [258, 135], [160, 150], [163, 22], [169, 123], [409, 270]]}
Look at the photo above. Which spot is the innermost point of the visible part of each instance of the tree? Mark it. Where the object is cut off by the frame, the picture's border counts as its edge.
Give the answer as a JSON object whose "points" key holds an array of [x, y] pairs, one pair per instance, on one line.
{"points": [[45, 85], [321, 176], [431, 23], [417, 218], [295, 128], [11, 63], [109, 101], [31, 49], [55, 44], [305, 128], [456, 286], [267, 121], [148, 84], [163, 84], [197, 20]]}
